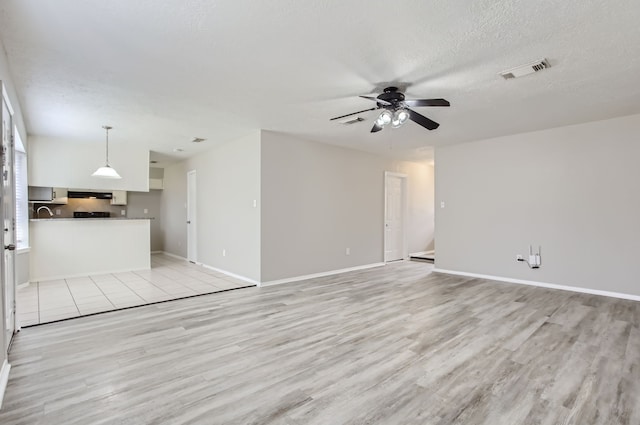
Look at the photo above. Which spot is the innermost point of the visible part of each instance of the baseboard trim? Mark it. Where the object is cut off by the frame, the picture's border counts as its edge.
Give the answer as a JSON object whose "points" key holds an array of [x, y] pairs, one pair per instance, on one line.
{"points": [[417, 254], [157, 252], [215, 269], [4, 379], [322, 274], [230, 274], [171, 255], [543, 285], [23, 285]]}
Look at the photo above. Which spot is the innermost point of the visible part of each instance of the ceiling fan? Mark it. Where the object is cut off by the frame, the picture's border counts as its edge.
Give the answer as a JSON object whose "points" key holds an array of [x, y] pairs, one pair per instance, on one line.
{"points": [[396, 110]]}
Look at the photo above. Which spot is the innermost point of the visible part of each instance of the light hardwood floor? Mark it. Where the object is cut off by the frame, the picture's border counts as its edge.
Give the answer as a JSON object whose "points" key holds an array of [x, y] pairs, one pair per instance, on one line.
{"points": [[391, 345]]}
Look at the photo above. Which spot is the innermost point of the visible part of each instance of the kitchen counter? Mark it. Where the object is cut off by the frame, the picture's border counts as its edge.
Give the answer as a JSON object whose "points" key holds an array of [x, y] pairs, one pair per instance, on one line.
{"points": [[88, 246], [91, 219]]}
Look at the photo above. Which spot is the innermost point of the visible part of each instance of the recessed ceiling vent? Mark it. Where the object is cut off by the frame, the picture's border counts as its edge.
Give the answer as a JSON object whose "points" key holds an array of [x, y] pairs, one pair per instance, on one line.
{"points": [[521, 71], [351, 121]]}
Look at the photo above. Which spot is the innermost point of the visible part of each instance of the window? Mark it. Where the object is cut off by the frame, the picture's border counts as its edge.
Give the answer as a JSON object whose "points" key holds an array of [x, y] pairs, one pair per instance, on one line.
{"points": [[22, 195]]}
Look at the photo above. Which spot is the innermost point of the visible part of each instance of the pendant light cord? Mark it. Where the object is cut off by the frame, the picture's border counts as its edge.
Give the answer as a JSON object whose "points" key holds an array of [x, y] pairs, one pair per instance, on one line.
{"points": [[107, 128]]}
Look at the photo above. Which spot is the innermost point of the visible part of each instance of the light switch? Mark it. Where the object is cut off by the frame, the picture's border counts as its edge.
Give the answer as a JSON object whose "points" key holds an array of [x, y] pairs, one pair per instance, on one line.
{"points": [[123, 212], [146, 211]]}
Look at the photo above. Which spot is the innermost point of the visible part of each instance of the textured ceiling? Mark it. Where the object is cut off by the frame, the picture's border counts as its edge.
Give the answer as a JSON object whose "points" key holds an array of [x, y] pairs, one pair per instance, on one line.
{"points": [[164, 71]]}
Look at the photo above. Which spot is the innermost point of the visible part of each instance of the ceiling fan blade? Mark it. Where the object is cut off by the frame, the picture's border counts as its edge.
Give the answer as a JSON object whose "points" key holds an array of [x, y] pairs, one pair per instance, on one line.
{"points": [[427, 102], [376, 128], [354, 113], [375, 99], [422, 120]]}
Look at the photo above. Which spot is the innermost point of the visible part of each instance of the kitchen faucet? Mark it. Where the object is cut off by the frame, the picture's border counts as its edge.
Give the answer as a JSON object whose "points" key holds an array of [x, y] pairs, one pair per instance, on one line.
{"points": [[46, 208]]}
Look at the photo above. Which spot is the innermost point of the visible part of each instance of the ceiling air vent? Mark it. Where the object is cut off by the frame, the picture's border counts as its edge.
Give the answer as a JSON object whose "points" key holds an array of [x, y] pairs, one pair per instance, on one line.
{"points": [[521, 71], [352, 121]]}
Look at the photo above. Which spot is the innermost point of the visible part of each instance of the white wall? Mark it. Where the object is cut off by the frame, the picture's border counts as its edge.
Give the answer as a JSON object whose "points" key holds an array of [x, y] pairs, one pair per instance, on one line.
{"points": [[573, 190], [319, 199], [228, 182], [137, 203], [68, 248], [59, 163]]}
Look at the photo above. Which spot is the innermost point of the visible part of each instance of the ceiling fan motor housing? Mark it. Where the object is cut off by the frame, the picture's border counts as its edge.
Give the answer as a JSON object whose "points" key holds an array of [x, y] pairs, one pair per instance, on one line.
{"points": [[393, 96]]}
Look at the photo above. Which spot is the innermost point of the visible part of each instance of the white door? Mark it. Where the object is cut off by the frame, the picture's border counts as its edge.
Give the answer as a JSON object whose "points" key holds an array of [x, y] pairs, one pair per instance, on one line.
{"points": [[394, 217], [192, 241], [7, 213]]}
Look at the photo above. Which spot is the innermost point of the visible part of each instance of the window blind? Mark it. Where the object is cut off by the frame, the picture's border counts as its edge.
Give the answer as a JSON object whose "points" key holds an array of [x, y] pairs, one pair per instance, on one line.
{"points": [[22, 201]]}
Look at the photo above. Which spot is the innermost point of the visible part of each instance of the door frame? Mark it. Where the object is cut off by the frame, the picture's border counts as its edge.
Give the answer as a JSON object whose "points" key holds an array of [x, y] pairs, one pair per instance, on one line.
{"points": [[404, 186], [192, 222], [8, 289]]}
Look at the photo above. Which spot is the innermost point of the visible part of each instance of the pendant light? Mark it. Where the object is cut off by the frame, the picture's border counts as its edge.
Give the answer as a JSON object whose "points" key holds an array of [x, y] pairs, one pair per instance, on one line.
{"points": [[107, 172]]}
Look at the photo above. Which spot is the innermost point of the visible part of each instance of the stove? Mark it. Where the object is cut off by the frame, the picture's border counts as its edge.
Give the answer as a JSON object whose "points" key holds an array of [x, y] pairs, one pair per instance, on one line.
{"points": [[94, 214]]}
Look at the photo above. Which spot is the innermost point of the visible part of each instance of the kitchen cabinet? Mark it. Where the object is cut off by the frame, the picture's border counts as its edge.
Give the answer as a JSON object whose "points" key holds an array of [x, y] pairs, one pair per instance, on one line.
{"points": [[60, 196], [119, 197], [48, 195], [155, 183]]}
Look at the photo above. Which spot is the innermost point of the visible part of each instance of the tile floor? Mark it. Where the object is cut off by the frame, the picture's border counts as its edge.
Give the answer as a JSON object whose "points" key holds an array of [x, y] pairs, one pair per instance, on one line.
{"points": [[169, 278]]}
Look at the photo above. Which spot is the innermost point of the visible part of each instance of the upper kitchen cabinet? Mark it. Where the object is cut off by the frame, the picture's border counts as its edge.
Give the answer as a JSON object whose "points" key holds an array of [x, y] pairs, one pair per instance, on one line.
{"points": [[50, 195], [56, 163], [119, 197], [156, 178]]}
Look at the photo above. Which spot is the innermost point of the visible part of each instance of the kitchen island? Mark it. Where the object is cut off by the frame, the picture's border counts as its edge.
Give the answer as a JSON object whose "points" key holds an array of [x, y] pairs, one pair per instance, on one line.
{"points": [[73, 247]]}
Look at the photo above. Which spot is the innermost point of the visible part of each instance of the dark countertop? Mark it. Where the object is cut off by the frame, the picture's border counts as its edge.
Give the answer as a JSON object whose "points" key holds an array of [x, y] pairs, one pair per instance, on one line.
{"points": [[91, 218]]}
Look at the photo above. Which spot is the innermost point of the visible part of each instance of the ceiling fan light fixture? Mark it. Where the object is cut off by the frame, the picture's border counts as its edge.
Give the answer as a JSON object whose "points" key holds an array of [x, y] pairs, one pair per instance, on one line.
{"points": [[384, 118], [106, 172], [399, 117]]}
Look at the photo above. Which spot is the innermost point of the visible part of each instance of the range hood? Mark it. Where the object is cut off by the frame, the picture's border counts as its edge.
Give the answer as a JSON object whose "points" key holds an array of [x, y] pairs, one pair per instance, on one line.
{"points": [[85, 194]]}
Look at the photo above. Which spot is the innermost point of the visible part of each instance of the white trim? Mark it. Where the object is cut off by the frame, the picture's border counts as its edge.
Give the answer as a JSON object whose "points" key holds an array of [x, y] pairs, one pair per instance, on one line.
{"points": [[237, 276], [322, 274], [172, 255], [85, 274], [419, 253], [23, 285], [23, 250], [192, 216], [157, 252], [5, 97], [405, 214], [544, 285], [4, 379]]}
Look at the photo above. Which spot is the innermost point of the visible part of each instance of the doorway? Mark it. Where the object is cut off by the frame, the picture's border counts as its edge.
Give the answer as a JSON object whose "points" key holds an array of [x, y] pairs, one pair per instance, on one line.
{"points": [[7, 217], [192, 242], [395, 200]]}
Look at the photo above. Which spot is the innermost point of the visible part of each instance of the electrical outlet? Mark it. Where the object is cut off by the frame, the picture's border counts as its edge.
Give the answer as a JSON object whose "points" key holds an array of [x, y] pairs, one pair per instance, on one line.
{"points": [[224, 252], [255, 203], [441, 204], [123, 212], [146, 211], [57, 211], [519, 257], [348, 251]]}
